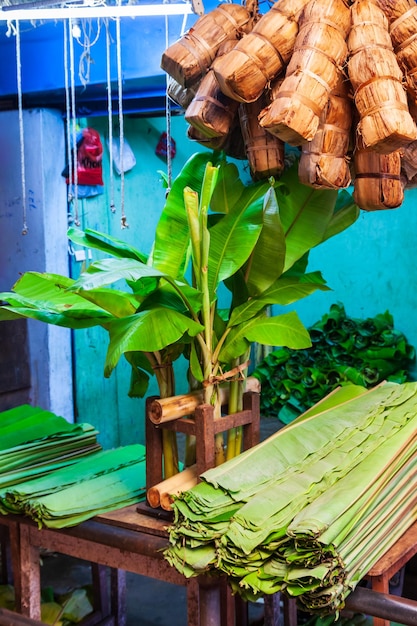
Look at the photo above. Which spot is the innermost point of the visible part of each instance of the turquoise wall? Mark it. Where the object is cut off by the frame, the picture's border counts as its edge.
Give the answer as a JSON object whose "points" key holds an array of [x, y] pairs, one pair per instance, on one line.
{"points": [[370, 268]]}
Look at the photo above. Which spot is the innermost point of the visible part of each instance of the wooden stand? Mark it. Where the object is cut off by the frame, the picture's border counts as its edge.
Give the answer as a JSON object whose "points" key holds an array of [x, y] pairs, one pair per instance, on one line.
{"points": [[204, 427]]}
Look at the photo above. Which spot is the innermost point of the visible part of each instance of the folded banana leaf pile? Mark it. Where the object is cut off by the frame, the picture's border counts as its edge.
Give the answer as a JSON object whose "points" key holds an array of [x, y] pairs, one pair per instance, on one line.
{"points": [[34, 442], [345, 350], [57, 473], [311, 509], [105, 481]]}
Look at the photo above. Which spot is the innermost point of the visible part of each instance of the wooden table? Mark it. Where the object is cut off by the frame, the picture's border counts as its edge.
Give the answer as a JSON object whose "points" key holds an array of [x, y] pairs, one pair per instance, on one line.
{"points": [[128, 540], [124, 540]]}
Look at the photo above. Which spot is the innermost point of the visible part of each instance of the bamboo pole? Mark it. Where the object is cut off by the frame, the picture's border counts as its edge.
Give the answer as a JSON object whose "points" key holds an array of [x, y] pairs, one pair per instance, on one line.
{"points": [[173, 485], [168, 409], [167, 497]]}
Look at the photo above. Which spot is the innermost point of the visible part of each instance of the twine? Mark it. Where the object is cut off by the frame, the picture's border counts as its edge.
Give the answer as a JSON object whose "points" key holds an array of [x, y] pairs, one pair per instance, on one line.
{"points": [[110, 119], [380, 175], [402, 17], [236, 371], [123, 219], [339, 29], [303, 99], [168, 117], [406, 43], [21, 128], [68, 111]]}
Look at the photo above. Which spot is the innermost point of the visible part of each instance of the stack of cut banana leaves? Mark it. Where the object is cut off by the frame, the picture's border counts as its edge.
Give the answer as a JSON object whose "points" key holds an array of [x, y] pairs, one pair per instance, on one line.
{"points": [[311, 509], [57, 473]]}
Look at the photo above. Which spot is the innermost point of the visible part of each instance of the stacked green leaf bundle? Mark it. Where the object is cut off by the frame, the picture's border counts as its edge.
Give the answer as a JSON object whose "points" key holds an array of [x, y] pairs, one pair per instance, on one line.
{"points": [[345, 350], [312, 508], [35, 442], [105, 481]]}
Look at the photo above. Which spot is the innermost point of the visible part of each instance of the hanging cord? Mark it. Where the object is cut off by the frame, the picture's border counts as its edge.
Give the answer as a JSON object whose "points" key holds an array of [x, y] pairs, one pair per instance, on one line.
{"points": [[110, 118], [168, 116], [123, 221], [68, 116], [86, 30], [74, 125], [21, 129]]}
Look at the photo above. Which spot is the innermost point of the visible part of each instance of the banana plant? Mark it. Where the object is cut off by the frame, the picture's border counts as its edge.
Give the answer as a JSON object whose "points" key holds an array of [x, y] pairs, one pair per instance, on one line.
{"points": [[214, 231]]}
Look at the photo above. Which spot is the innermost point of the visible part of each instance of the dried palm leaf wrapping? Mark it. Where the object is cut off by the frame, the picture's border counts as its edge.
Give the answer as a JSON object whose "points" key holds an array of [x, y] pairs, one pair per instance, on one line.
{"points": [[188, 59], [324, 160], [319, 52], [232, 144], [265, 153], [378, 183], [179, 94], [385, 122], [210, 111], [403, 30], [262, 54]]}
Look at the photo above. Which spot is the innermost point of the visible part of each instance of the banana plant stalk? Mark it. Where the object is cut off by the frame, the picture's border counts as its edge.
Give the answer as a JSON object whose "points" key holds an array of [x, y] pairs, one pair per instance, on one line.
{"points": [[197, 209], [164, 374]]}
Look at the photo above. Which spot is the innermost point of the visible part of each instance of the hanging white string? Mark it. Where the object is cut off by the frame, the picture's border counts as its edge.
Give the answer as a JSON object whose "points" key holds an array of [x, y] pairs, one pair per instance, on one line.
{"points": [[110, 118], [21, 128], [68, 115], [86, 42], [74, 125], [123, 222], [168, 115]]}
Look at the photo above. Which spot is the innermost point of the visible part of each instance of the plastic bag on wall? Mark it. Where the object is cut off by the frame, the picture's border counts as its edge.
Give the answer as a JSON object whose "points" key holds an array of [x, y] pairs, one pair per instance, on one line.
{"points": [[129, 160], [89, 159]]}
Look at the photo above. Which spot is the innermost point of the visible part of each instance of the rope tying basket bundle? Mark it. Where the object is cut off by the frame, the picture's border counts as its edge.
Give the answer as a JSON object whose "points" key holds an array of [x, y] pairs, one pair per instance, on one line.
{"points": [[336, 79]]}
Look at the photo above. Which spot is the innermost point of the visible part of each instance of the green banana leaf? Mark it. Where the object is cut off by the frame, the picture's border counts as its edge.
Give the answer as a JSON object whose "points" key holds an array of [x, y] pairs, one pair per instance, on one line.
{"points": [[345, 214], [233, 239], [284, 330], [13, 499], [172, 237], [305, 214], [105, 243], [284, 291], [267, 260], [45, 297], [312, 508], [147, 331], [228, 190]]}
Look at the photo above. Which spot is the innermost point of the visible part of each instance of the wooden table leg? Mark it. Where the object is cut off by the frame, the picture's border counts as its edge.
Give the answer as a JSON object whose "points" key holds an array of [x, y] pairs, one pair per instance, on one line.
{"points": [[14, 563], [30, 576], [118, 596], [193, 602], [272, 609], [381, 584]]}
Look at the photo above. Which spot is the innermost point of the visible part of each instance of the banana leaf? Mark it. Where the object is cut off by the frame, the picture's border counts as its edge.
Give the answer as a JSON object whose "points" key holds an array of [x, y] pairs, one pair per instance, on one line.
{"points": [[45, 297], [105, 243], [268, 256], [337, 495], [117, 484], [13, 499]]}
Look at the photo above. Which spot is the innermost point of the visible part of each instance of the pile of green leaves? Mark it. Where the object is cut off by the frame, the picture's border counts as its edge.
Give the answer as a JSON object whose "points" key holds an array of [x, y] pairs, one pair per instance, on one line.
{"points": [[104, 481], [344, 350], [311, 509], [57, 473], [34, 442]]}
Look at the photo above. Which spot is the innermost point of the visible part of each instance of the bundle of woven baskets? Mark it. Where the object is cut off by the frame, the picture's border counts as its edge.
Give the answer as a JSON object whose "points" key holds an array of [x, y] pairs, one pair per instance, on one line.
{"points": [[333, 78]]}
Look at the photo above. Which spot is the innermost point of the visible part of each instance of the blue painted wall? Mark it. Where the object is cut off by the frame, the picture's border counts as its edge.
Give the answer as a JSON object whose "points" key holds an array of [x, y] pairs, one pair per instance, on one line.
{"points": [[142, 41]]}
